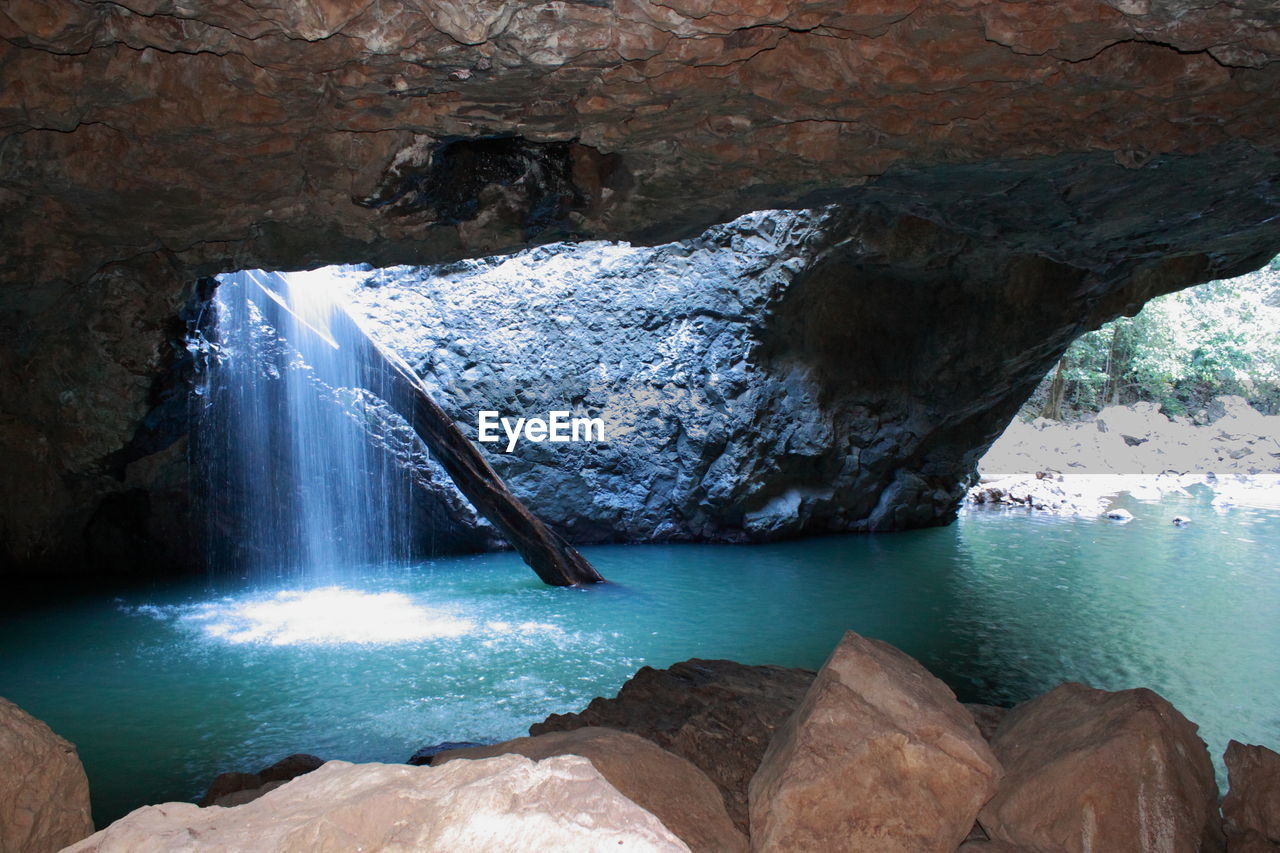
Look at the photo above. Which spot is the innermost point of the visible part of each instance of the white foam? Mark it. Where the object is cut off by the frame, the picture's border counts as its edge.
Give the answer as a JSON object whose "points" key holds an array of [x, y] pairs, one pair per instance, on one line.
{"points": [[330, 614]]}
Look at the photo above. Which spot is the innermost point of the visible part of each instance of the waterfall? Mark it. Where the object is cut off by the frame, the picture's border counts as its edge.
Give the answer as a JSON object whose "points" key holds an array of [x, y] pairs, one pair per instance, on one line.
{"points": [[296, 454]]}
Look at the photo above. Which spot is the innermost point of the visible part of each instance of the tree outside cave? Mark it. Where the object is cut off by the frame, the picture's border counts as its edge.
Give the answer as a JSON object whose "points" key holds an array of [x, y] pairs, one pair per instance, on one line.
{"points": [[1180, 352]]}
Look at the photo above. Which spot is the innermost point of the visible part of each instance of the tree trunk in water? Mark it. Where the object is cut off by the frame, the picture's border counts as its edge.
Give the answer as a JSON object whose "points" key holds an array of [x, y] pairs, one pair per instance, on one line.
{"points": [[554, 560], [1053, 402]]}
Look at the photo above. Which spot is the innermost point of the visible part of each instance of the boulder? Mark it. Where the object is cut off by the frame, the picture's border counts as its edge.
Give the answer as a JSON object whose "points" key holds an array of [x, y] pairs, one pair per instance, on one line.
{"points": [[246, 795], [497, 805], [291, 767], [248, 786], [1089, 770], [879, 756], [677, 793], [717, 714], [426, 753], [987, 717], [1251, 808], [226, 784], [44, 794]]}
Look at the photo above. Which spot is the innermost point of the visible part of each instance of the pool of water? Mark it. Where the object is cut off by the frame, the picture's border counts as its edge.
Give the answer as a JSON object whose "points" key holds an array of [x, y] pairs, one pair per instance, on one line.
{"points": [[163, 688]]}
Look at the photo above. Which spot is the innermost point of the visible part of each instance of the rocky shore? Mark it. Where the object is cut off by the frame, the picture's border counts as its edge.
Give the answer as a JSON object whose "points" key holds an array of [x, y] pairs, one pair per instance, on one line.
{"points": [[1078, 468], [871, 753]]}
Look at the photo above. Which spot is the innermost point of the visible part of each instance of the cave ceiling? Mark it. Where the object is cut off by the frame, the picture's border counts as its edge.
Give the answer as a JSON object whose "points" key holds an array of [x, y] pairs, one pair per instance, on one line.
{"points": [[288, 133]]}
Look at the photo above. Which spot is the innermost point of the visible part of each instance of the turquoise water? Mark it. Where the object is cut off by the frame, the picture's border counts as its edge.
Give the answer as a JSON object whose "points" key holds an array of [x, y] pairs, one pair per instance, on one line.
{"points": [[163, 688]]}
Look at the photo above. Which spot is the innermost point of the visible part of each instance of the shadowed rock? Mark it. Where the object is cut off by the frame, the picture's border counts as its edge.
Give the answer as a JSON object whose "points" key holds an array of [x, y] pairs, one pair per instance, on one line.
{"points": [[718, 714], [426, 753], [1251, 808], [1018, 172], [987, 717], [235, 788]]}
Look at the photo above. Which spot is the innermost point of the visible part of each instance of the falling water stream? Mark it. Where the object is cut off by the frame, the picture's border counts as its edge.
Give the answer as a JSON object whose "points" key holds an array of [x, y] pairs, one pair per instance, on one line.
{"points": [[296, 450]]}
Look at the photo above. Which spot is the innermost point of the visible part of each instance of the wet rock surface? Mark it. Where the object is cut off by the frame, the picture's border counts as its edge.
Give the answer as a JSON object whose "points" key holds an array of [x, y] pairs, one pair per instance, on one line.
{"points": [[677, 793], [1157, 792], [501, 804], [719, 715], [879, 755], [44, 794]]}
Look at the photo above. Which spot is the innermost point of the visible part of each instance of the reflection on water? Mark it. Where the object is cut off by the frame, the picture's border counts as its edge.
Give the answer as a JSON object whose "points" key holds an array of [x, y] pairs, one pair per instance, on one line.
{"points": [[162, 690], [1192, 612]]}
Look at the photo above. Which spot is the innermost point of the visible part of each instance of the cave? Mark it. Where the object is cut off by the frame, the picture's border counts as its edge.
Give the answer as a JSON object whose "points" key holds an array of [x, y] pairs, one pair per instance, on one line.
{"points": [[802, 264]]}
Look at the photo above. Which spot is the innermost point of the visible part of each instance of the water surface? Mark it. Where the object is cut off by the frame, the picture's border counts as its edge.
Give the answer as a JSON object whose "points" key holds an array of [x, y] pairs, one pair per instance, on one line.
{"points": [[163, 688]]}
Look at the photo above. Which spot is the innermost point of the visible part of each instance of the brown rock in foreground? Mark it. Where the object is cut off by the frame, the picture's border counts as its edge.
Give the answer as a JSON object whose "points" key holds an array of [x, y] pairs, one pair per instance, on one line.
{"points": [[507, 804], [247, 786], [879, 756], [987, 717], [717, 714], [677, 793], [246, 795], [1251, 808], [1087, 770], [44, 795]]}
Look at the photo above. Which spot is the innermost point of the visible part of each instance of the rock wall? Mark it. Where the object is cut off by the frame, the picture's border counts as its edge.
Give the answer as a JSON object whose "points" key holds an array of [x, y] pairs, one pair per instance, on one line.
{"points": [[1036, 169], [703, 441], [787, 373]]}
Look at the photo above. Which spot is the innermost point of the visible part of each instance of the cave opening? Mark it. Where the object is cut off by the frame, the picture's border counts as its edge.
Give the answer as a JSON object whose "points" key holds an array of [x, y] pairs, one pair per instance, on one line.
{"points": [[743, 418], [781, 274], [1181, 395]]}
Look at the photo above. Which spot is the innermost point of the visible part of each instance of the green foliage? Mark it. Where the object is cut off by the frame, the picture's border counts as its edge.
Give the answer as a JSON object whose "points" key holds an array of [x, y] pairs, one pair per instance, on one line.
{"points": [[1181, 351]]}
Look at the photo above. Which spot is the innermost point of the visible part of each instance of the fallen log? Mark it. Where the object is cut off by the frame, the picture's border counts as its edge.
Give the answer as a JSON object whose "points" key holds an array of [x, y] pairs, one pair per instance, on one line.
{"points": [[554, 560]]}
